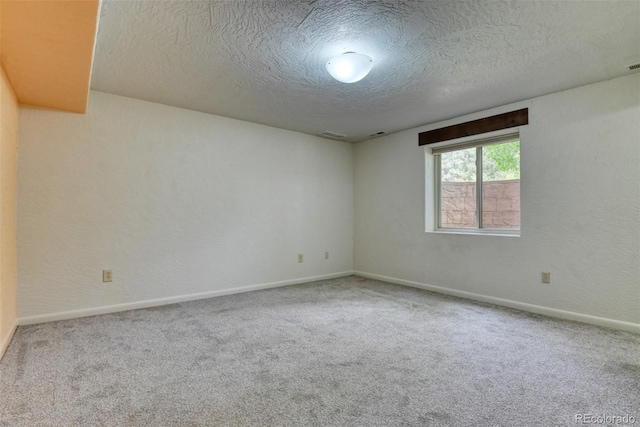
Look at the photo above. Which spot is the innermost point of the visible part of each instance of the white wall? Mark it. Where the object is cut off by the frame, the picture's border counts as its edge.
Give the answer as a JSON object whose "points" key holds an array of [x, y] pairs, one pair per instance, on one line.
{"points": [[178, 203], [580, 162], [175, 202]]}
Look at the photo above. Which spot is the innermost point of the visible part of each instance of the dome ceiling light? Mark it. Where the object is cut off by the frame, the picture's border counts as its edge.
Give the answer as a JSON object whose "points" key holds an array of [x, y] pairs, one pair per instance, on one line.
{"points": [[350, 67]]}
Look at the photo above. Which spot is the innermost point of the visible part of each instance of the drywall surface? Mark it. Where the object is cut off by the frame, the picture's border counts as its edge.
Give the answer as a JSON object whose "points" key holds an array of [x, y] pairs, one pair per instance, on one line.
{"points": [[175, 202], [580, 201], [47, 51], [8, 210]]}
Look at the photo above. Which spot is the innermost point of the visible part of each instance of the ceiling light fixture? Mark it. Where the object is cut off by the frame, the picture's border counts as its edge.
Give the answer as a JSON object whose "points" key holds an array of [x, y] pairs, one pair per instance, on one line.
{"points": [[350, 67]]}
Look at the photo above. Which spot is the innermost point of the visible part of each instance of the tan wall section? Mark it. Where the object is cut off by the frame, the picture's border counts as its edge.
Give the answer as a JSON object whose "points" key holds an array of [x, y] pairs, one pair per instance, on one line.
{"points": [[8, 210], [47, 51], [46, 55]]}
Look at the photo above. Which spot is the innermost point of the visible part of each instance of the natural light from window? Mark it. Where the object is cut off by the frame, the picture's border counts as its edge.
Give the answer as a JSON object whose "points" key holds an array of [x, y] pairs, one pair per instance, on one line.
{"points": [[478, 186]]}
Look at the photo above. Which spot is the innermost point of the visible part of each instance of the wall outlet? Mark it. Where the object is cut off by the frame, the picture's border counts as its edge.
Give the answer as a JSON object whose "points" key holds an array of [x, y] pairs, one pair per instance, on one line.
{"points": [[107, 276], [546, 277], [326, 255], [300, 258]]}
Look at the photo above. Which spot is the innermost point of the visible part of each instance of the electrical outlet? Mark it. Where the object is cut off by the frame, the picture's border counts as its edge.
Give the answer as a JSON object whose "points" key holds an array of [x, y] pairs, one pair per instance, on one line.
{"points": [[546, 277], [300, 258], [326, 255], [107, 276]]}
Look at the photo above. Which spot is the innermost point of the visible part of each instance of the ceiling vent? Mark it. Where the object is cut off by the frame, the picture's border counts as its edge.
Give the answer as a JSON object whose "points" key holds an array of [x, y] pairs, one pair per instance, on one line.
{"points": [[377, 134], [332, 135], [634, 67]]}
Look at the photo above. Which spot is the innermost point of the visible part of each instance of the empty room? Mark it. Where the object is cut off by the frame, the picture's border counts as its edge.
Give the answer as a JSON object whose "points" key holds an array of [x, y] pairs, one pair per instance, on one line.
{"points": [[327, 212]]}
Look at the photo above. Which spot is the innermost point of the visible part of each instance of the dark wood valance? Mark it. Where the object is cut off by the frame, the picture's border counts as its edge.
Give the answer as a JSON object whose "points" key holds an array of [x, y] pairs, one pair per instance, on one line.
{"points": [[475, 127]]}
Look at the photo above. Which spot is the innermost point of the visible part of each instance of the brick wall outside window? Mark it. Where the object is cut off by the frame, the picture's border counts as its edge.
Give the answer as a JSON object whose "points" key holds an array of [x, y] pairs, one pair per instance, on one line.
{"points": [[500, 201]]}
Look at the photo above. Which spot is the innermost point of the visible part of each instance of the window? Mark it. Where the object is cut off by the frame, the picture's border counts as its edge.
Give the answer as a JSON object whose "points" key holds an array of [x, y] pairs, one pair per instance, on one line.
{"points": [[478, 186]]}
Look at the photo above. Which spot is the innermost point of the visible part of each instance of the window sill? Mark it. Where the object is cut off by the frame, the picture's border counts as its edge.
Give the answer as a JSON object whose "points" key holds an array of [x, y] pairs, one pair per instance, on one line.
{"points": [[511, 233]]}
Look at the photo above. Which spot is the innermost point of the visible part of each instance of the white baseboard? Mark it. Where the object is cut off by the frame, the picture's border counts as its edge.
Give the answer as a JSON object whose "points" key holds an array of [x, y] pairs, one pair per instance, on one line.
{"points": [[42, 318], [4, 344], [553, 312], [538, 309]]}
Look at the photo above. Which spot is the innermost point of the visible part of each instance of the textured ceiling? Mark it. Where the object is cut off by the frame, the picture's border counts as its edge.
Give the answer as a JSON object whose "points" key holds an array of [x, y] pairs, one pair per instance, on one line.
{"points": [[264, 60]]}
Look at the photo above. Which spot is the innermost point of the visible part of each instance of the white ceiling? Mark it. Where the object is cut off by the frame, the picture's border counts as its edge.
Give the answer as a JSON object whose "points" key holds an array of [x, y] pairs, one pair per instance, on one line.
{"points": [[264, 60]]}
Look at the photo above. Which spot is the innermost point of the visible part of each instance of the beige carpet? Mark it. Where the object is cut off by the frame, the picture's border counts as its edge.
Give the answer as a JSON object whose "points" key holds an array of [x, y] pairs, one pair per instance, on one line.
{"points": [[344, 352]]}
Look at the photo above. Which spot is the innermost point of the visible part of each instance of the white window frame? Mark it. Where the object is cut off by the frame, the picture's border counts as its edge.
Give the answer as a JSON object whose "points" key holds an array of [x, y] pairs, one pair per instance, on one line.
{"points": [[476, 143]]}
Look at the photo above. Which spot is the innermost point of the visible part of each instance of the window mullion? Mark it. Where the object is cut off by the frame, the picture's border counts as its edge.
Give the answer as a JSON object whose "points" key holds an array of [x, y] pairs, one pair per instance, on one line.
{"points": [[438, 190], [479, 187]]}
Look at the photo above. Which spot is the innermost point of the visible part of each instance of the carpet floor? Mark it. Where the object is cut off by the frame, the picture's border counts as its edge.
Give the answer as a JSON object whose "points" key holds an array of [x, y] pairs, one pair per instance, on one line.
{"points": [[343, 352]]}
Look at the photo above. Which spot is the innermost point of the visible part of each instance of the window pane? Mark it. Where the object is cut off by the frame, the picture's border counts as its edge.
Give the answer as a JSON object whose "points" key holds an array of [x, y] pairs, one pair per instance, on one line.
{"points": [[458, 189], [501, 185]]}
